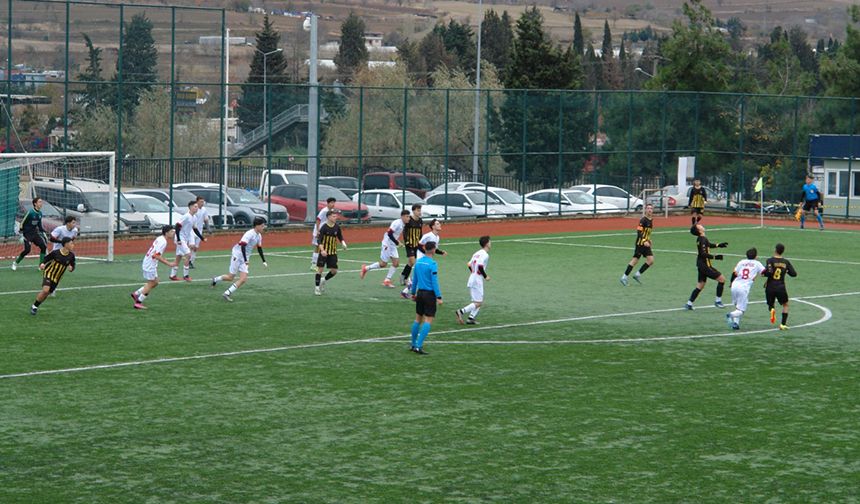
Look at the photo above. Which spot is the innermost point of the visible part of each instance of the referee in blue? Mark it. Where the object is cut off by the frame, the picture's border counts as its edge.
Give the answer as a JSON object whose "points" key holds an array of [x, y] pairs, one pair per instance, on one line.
{"points": [[426, 294]]}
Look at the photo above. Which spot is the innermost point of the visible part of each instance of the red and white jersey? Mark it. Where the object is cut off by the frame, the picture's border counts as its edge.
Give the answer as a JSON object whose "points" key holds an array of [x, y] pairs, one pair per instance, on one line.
{"points": [[201, 218], [479, 258], [251, 239], [186, 232], [61, 232], [396, 229], [150, 260], [427, 238], [747, 270], [321, 217]]}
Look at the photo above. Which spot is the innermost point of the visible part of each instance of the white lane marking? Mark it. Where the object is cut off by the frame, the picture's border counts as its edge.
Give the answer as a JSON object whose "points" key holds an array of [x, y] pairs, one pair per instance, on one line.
{"points": [[827, 316]]}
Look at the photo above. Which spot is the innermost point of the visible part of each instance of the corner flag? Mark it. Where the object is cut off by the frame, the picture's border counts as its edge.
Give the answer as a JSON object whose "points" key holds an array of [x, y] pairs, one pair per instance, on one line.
{"points": [[759, 184]]}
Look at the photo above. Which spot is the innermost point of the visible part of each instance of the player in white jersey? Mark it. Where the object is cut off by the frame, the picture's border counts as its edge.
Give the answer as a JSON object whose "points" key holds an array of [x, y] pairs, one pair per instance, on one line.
{"points": [[431, 236], [201, 223], [321, 217], [477, 275], [150, 266], [184, 238], [239, 258], [389, 252], [67, 230], [742, 279]]}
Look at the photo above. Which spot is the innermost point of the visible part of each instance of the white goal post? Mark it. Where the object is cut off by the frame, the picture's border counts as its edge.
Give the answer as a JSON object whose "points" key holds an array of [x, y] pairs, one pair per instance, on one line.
{"points": [[72, 184]]}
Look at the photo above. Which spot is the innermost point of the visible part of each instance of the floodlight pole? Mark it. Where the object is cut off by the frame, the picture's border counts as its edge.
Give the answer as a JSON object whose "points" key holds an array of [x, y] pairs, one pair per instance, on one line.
{"points": [[313, 122], [477, 98]]}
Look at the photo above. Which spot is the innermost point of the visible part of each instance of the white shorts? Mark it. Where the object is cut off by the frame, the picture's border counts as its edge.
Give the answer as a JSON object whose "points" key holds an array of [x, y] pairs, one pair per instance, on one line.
{"points": [[197, 240], [388, 252], [238, 265], [182, 249], [150, 275], [740, 296], [477, 292]]}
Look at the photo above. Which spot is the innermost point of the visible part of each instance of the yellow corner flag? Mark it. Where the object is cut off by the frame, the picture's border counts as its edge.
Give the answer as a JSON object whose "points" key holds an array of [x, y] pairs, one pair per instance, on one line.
{"points": [[759, 184]]}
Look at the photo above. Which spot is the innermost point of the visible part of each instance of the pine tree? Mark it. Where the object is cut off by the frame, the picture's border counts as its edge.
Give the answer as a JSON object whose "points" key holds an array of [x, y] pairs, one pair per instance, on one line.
{"points": [[138, 68], [578, 41], [96, 88], [459, 43], [610, 72], [279, 97], [352, 53], [496, 39]]}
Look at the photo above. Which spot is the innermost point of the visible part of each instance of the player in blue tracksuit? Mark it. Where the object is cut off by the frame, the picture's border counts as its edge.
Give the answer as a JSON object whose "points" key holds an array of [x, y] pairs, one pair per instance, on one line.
{"points": [[426, 294], [811, 200]]}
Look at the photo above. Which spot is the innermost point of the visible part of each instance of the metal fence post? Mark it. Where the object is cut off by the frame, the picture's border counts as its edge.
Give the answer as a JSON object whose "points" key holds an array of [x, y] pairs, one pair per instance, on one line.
{"points": [[741, 138], [119, 107], [171, 161]]}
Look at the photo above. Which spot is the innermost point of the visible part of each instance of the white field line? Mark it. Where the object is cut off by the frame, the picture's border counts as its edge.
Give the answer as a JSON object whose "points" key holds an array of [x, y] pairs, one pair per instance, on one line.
{"points": [[827, 316], [670, 251]]}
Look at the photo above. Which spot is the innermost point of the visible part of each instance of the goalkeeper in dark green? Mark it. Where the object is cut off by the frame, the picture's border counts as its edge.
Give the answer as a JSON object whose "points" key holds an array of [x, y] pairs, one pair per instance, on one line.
{"points": [[31, 228]]}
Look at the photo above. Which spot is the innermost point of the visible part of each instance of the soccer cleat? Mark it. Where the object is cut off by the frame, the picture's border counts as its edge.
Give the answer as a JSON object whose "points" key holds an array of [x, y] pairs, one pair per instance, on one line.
{"points": [[405, 294], [637, 278], [186, 278], [227, 297], [213, 283], [363, 271], [719, 304], [420, 351], [736, 326], [14, 266], [174, 278], [772, 316], [387, 283], [688, 306], [459, 314], [33, 310], [317, 291], [322, 285], [471, 321], [783, 327], [729, 320], [139, 306], [624, 281], [134, 297]]}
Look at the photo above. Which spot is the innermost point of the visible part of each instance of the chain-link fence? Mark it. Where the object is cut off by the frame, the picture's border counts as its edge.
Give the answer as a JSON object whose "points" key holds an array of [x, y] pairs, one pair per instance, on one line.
{"points": [[165, 107]]}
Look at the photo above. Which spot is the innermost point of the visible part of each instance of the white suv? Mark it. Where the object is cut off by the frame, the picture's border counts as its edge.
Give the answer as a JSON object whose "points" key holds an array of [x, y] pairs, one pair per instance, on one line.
{"points": [[88, 202]]}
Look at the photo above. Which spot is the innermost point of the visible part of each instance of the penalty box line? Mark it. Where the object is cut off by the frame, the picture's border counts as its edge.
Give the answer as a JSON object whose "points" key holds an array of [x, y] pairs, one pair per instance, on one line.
{"points": [[827, 316]]}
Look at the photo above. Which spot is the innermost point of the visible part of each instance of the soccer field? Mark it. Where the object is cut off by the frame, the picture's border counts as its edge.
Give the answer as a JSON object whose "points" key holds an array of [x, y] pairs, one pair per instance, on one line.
{"points": [[572, 388]]}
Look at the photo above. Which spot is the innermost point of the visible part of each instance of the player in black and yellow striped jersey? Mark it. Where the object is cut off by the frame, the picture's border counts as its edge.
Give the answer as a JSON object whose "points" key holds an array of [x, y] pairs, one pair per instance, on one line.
{"points": [[53, 268], [412, 232], [643, 246], [698, 198], [776, 269], [328, 236], [705, 267]]}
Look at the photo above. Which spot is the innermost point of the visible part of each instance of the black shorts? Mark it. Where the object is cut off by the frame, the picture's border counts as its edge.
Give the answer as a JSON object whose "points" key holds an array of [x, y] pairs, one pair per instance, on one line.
{"points": [[809, 205], [780, 295], [642, 250], [329, 261], [48, 283], [697, 210], [425, 303], [411, 251], [706, 272], [36, 239]]}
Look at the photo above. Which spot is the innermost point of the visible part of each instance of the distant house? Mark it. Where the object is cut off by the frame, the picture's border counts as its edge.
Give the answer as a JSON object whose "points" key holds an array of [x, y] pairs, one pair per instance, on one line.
{"points": [[835, 162]]}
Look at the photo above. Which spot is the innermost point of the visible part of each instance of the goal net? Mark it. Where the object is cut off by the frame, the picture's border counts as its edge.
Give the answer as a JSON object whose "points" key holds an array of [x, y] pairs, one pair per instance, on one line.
{"points": [[81, 185]]}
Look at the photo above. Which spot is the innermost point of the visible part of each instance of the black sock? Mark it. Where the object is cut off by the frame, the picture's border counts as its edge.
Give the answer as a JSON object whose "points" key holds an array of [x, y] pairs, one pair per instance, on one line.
{"points": [[318, 279], [695, 294], [406, 270], [784, 318], [698, 219], [628, 270], [36, 303], [644, 268], [693, 220], [720, 287], [328, 276]]}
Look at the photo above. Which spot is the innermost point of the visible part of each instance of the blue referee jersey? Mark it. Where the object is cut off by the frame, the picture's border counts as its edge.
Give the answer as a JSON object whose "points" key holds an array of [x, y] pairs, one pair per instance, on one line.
{"points": [[810, 192], [425, 276]]}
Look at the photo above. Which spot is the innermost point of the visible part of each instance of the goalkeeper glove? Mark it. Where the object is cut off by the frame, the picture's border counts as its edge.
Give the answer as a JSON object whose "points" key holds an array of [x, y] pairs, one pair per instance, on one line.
{"points": [[723, 245], [718, 257]]}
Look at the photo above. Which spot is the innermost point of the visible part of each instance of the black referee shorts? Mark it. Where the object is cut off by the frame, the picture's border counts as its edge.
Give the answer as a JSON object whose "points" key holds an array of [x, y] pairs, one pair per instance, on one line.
{"points": [[810, 205], [425, 303]]}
